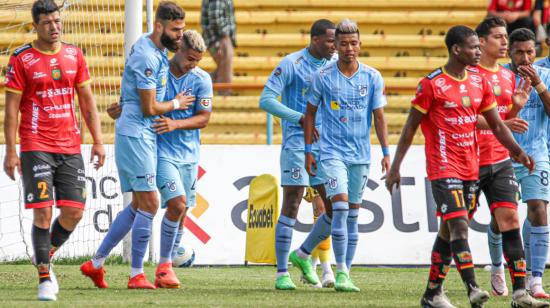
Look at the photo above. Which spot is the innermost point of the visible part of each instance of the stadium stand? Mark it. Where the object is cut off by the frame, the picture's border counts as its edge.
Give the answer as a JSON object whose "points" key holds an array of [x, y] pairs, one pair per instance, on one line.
{"points": [[401, 38]]}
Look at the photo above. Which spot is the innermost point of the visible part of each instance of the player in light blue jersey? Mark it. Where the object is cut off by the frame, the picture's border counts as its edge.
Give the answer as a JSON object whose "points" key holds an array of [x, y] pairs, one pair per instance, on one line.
{"points": [[534, 186], [290, 80], [545, 62], [178, 148], [347, 93], [143, 87]]}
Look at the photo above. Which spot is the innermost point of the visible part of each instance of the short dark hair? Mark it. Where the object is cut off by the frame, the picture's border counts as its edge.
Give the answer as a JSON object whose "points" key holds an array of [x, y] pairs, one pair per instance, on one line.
{"points": [[321, 26], [346, 26], [43, 7], [457, 35], [169, 11], [484, 28], [521, 35]]}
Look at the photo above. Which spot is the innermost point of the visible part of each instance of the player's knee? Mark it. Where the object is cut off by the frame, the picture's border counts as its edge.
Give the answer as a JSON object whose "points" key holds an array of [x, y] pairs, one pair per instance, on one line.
{"points": [[537, 214], [505, 219], [42, 217], [176, 208], [458, 228], [71, 215]]}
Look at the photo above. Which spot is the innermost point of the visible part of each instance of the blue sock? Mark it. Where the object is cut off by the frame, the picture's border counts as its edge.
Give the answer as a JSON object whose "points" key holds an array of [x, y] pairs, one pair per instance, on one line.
{"points": [[319, 232], [340, 231], [118, 229], [539, 249], [168, 233], [283, 239], [177, 241], [353, 236], [141, 232], [526, 234], [495, 247]]}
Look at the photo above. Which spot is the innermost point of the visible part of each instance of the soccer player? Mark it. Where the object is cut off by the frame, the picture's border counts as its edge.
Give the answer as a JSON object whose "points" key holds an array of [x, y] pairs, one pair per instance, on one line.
{"points": [[534, 186], [496, 173], [41, 80], [179, 144], [447, 103], [178, 147], [347, 93], [143, 89], [290, 80]]}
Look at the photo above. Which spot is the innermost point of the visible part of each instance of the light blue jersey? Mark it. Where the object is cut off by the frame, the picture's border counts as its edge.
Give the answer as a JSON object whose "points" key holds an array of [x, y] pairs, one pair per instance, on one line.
{"points": [[291, 79], [534, 140], [145, 69], [345, 105], [182, 146], [546, 64]]}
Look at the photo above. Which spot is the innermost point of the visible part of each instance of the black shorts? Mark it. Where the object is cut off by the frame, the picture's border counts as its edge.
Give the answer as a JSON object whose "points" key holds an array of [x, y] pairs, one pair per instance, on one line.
{"points": [[454, 197], [49, 176], [499, 185]]}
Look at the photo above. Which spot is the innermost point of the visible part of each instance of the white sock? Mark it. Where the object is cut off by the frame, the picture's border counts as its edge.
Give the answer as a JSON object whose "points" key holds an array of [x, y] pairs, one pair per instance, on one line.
{"points": [[535, 280], [341, 267], [497, 269], [279, 274], [98, 262], [136, 271], [326, 267], [302, 254], [165, 260]]}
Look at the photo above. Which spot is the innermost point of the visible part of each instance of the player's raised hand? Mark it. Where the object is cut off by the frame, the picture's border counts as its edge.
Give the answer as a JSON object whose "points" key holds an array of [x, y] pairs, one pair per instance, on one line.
{"points": [[97, 155], [517, 125], [522, 92], [311, 164], [527, 71], [185, 100], [114, 110], [164, 125], [11, 161], [393, 179]]}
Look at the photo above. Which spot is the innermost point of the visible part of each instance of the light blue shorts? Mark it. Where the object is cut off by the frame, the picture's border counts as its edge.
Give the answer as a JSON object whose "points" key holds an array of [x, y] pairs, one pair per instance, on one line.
{"points": [[534, 186], [343, 178], [177, 179], [293, 172], [136, 161]]}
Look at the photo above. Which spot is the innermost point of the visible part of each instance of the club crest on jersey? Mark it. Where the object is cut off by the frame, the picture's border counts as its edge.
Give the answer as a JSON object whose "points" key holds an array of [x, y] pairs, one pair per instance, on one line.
{"points": [[466, 101], [277, 71], [205, 102], [497, 90], [56, 74], [148, 72], [362, 90], [334, 105]]}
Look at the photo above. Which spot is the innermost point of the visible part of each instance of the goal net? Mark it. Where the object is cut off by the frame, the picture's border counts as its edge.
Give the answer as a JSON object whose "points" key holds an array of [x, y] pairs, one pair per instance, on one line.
{"points": [[97, 27]]}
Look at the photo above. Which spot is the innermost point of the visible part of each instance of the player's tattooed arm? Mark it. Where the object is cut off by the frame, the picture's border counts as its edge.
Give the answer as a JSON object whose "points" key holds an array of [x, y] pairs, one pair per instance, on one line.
{"points": [[393, 177], [88, 109], [150, 107], [164, 124]]}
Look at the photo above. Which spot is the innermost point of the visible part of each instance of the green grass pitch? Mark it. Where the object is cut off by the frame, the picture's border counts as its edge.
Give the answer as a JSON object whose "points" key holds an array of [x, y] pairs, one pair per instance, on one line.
{"points": [[231, 286]]}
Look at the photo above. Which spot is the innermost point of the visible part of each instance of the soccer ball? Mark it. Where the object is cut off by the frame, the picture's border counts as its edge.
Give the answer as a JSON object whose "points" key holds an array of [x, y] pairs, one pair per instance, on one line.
{"points": [[185, 257]]}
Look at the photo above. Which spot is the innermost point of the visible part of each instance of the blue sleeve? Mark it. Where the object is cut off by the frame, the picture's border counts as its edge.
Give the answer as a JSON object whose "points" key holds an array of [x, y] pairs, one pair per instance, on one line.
{"points": [[269, 103], [314, 92], [280, 77], [204, 95], [379, 94], [146, 69]]}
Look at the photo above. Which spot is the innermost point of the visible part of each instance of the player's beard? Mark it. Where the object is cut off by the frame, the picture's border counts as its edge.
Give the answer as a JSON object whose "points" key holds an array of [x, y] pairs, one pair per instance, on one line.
{"points": [[169, 43]]}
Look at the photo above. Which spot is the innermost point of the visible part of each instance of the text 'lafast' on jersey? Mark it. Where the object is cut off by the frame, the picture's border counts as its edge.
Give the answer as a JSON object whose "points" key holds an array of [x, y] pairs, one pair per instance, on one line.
{"points": [[291, 79], [47, 82], [345, 105], [451, 107], [182, 146], [145, 69]]}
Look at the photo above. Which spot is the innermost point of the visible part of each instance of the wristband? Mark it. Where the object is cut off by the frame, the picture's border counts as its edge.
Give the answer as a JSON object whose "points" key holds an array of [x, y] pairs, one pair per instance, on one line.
{"points": [[541, 87], [386, 151], [176, 104], [308, 148]]}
